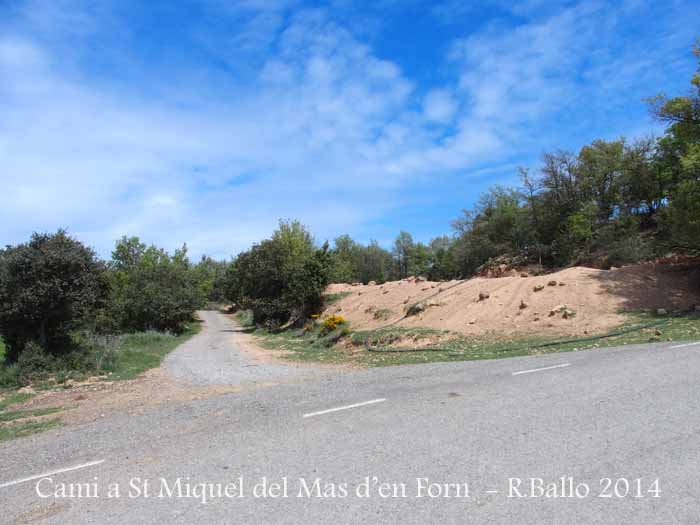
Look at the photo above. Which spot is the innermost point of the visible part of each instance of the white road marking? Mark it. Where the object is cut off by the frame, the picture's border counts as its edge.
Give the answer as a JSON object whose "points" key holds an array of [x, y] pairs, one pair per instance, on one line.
{"points": [[321, 412], [52, 473], [541, 369], [687, 344]]}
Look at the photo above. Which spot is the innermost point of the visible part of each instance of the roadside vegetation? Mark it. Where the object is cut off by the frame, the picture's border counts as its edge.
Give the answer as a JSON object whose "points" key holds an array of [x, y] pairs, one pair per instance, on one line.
{"points": [[67, 315], [398, 345]]}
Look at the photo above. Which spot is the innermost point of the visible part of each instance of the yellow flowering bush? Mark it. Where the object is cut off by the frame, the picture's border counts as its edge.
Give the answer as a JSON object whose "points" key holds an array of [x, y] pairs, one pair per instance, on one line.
{"points": [[329, 324]]}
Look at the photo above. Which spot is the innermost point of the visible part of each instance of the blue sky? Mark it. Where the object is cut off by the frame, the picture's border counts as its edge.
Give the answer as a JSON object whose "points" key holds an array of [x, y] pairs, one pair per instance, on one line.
{"points": [[207, 121]]}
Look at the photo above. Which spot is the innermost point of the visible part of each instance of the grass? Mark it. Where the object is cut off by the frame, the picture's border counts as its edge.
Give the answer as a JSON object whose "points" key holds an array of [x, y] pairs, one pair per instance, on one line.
{"points": [[331, 298], [145, 350], [445, 346], [22, 414], [135, 353], [129, 356], [20, 423], [14, 431]]}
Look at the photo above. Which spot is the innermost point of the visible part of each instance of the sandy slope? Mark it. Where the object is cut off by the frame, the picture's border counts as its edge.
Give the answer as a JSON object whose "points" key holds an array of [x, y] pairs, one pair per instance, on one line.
{"points": [[596, 296]]}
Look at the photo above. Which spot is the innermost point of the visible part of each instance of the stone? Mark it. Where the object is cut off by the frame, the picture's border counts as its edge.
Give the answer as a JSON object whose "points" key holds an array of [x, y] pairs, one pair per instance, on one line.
{"points": [[661, 311], [552, 283], [538, 287], [562, 284], [415, 309], [372, 283], [523, 304], [483, 295], [524, 275], [557, 310]]}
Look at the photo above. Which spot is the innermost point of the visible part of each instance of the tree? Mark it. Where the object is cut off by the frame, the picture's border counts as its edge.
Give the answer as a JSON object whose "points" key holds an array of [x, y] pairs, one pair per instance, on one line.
{"points": [[403, 246], [283, 278], [210, 275], [152, 290], [49, 287]]}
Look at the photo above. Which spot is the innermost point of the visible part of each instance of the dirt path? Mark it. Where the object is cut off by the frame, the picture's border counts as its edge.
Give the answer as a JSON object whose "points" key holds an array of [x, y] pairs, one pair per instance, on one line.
{"points": [[222, 354], [220, 359]]}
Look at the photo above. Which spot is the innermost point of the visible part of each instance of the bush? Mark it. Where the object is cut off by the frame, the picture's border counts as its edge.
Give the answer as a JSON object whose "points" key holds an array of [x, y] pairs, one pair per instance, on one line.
{"points": [[329, 324], [34, 364], [48, 287], [282, 279], [151, 290]]}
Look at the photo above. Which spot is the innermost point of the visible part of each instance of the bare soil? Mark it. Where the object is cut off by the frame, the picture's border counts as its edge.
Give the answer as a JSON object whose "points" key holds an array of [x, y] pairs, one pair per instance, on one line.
{"points": [[522, 305]]}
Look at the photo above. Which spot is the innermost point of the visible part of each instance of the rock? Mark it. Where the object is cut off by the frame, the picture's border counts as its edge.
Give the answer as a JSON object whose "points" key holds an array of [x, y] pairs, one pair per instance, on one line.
{"points": [[372, 283], [524, 275], [658, 332], [661, 311], [473, 321], [523, 304], [406, 301], [568, 313], [538, 287], [385, 292], [557, 310], [483, 295], [415, 309], [552, 283], [421, 279], [562, 284]]}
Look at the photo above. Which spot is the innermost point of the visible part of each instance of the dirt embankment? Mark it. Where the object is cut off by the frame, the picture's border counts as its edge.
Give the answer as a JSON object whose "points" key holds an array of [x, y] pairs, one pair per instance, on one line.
{"points": [[574, 301]]}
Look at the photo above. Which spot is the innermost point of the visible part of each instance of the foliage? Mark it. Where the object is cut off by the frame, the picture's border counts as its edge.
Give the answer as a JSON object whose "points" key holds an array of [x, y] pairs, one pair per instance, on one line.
{"points": [[49, 287], [282, 279], [151, 289], [331, 323], [210, 276]]}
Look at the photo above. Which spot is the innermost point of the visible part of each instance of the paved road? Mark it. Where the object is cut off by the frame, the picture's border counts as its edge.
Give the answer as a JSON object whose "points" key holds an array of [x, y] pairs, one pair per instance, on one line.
{"points": [[626, 413]]}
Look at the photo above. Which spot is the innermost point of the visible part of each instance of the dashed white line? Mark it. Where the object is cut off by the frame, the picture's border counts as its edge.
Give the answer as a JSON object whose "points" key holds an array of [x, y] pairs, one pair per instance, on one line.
{"points": [[687, 344], [51, 473], [541, 369], [346, 407]]}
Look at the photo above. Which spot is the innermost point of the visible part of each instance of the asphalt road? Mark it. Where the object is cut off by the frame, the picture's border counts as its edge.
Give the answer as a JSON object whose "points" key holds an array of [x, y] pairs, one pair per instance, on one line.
{"points": [[618, 414]]}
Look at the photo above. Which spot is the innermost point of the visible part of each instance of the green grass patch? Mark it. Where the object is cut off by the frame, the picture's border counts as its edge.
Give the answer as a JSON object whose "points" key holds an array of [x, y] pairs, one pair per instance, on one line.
{"points": [[436, 345], [23, 414], [145, 350], [331, 298], [13, 398], [15, 423], [26, 428]]}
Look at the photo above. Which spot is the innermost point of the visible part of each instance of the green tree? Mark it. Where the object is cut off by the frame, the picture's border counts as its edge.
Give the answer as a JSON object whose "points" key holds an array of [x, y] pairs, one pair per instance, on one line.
{"points": [[152, 290], [283, 278], [49, 287], [403, 247]]}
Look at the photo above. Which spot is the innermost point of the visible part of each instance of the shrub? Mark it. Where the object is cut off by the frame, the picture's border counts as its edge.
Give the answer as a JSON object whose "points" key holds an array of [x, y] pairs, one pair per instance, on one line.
{"points": [[34, 364], [48, 287], [151, 290], [329, 324], [282, 279]]}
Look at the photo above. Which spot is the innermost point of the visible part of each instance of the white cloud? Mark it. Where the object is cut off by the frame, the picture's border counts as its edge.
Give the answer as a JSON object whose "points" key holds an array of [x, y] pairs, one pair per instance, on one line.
{"points": [[439, 105], [324, 130]]}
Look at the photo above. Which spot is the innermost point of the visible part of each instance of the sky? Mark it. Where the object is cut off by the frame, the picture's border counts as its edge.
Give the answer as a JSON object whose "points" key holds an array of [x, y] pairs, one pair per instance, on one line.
{"points": [[208, 121]]}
